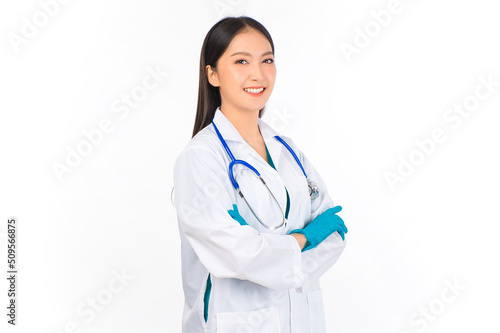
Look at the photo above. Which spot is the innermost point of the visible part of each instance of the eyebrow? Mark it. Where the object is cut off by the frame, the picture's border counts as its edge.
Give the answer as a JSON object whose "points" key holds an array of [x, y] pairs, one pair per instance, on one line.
{"points": [[248, 54]]}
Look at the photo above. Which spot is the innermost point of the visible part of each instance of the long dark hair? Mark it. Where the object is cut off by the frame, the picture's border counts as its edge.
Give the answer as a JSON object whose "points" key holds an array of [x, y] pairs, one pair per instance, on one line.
{"points": [[215, 44]]}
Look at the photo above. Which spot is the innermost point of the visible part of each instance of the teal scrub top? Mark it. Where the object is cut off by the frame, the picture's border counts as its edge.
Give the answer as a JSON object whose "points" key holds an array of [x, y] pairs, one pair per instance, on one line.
{"points": [[209, 283]]}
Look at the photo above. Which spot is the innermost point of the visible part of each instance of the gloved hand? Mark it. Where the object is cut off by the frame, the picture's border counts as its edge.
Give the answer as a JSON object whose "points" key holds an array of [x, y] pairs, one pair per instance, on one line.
{"points": [[236, 215], [321, 227]]}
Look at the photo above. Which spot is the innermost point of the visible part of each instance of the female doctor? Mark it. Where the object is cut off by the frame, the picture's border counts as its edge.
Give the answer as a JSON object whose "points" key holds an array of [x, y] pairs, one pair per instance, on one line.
{"points": [[257, 225]]}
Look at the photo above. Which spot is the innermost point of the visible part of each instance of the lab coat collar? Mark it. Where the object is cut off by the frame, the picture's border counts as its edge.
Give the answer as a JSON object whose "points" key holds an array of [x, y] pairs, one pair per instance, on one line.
{"points": [[230, 133], [273, 179]]}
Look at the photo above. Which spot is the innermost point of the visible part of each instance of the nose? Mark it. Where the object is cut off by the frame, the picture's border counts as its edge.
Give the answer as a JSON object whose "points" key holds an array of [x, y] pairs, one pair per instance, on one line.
{"points": [[256, 72]]}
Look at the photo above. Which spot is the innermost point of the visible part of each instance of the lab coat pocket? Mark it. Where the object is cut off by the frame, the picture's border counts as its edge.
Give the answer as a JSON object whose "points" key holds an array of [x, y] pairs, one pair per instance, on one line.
{"points": [[201, 304], [300, 202], [265, 320], [316, 311]]}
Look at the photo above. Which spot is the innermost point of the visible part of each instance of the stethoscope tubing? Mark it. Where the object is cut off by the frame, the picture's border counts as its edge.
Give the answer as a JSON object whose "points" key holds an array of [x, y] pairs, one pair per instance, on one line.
{"points": [[248, 165], [277, 137], [235, 161]]}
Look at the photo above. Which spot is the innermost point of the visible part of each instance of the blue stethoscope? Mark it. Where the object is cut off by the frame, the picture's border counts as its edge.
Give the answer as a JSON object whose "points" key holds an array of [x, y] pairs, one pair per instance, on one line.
{"points": [[313, 187]]}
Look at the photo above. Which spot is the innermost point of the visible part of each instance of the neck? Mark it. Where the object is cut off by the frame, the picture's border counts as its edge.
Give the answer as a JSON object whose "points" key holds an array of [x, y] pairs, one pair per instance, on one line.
{"points": [[246, 122]]}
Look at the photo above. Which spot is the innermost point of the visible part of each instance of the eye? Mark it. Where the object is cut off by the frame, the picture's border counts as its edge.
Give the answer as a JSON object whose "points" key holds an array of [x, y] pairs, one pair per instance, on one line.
{"points": [[238, 61], [270, 61]]}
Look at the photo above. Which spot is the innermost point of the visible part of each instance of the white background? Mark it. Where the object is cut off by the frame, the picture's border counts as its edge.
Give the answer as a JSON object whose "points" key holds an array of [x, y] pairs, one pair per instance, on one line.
{"points": [[352, 116]]}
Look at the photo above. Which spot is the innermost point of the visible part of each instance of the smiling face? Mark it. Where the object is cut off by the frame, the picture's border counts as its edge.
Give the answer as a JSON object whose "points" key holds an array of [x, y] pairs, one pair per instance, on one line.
{"points": [[245, 73]]}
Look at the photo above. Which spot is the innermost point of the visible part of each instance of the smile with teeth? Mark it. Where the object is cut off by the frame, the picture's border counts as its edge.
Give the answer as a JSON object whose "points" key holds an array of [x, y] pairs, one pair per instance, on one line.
{"points": [[253, 91]]}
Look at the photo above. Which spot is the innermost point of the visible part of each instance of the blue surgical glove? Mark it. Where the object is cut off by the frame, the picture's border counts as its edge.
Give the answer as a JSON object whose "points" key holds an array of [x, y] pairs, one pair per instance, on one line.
{"points": [[321, 227], [236, 215]]}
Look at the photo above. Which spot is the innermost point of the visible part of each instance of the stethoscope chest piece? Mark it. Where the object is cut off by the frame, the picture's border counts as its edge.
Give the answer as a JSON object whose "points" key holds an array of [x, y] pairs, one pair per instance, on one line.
{"points": [[313, 189]]}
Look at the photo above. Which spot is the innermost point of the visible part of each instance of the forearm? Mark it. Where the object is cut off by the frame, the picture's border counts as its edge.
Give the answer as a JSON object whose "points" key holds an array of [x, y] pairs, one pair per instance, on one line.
{"points": [[301, 239]]}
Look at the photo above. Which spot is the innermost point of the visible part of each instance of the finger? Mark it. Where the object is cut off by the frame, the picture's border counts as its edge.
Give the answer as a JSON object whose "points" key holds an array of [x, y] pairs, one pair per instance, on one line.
{"points": [[341, 233], [341, 222], [336, 209], [333, 210], [344, 227]]}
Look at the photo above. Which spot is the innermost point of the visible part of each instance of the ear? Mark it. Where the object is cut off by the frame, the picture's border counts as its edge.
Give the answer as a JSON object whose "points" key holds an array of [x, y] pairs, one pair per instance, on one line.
{"points": [[212, 76]]}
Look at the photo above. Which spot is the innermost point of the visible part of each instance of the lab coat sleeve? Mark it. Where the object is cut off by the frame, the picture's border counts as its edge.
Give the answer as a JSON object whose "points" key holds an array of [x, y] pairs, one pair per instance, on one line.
{"points": [[319, 259], [203, 195]]}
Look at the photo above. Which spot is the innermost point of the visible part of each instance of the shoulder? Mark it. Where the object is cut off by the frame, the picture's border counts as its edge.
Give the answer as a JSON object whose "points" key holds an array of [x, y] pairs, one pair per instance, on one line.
{"points": [[203, 148]]}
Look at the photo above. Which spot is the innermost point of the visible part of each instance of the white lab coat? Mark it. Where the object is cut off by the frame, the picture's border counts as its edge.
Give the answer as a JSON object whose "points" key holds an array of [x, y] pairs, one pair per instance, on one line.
{"points": [[261, 281]]}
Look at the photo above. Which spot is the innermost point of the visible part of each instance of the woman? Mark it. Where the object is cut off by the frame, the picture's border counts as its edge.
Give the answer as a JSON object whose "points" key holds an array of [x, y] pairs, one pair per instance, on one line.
{"points": [[250, 262]]}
